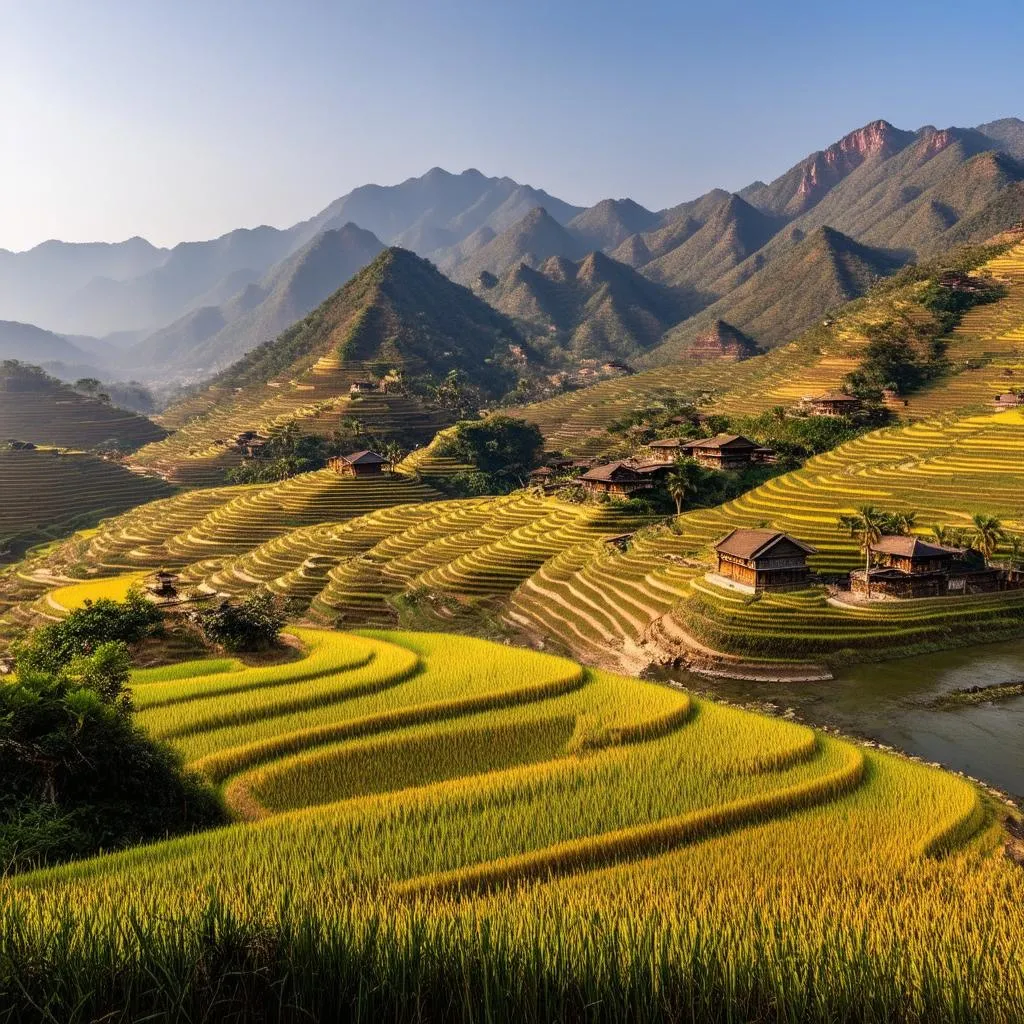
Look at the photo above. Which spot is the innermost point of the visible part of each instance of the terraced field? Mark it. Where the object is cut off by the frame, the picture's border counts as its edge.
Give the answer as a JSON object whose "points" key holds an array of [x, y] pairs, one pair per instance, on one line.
{"points": [[599, 601], [45, 411], [45, 494], [318, 401], [432, 824]]}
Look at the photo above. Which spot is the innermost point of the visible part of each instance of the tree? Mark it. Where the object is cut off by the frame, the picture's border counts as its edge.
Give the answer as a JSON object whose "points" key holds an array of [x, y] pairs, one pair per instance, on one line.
{"points": [[1015, 543], [503, 448], [867, 524], [253, 625], [900, 523], [943, 535], [89, 385], [683, 482], [394, 453], [77, 775], [988, 533]]}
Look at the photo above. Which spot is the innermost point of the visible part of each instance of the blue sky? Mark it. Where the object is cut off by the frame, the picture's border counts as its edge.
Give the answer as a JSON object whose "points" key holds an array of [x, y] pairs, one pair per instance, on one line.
{"points": [[179, 120]]}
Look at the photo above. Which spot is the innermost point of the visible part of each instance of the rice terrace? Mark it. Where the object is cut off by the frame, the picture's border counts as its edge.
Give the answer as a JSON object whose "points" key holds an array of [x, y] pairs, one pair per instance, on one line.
{"points": [[464, 604]]}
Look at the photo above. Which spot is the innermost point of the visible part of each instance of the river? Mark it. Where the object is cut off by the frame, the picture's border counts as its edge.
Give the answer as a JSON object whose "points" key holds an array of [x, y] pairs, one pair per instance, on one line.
{"points": [[893, 702]]}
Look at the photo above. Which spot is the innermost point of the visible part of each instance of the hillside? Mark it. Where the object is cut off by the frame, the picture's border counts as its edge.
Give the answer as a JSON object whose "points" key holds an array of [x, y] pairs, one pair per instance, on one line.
{"points": [[596, 308], [808, 277], [212, 337], [520, 802], [35, 407], [400, 313]]}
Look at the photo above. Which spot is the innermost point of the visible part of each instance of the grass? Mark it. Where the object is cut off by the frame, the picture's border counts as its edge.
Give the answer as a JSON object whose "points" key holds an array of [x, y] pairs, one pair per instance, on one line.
{"points": [[588, 847]]}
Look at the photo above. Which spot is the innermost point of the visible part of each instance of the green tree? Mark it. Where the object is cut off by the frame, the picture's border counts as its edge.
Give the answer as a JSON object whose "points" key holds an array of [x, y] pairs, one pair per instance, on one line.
{"points": [[502, 448], [1015, 543], [988, 533], [683, 482], [900, 523], [394, 453], [252, 625], [867, 524]]}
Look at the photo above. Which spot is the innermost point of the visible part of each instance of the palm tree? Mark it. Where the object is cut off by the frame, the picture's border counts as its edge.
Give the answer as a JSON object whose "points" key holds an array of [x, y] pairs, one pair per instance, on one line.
{"points": [[867, 524], [901, 523], [1016, 545], [943, 535], [393, 452], [988, 532], [682, 482]]}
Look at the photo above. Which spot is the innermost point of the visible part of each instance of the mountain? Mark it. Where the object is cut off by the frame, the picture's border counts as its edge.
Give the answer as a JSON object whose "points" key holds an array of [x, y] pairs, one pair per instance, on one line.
{"points": [[30, 344], [1007, 134], [721, 342], [731, 232], [531, 240], [211, 337], [597, 308], [810, 276], [33, 283], [438, 209], [611, 222], [181, 282]]}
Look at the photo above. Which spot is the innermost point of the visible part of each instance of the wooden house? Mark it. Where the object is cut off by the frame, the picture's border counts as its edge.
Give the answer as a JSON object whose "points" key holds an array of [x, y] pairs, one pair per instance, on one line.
{"points": [[362, 387], [723, 451], [833, 403], [666, 450], [1007, 401], [908, 567], [162, 584], [620, 478], [358, 464], [764, 560], [542, 475]]}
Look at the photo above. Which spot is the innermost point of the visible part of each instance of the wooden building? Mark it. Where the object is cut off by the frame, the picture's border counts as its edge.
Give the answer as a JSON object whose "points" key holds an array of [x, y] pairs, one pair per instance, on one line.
{"points": [[542, 475], [162, 584], [908, 567], [362, 387], [764, 560], [619, 478], [833, 403], [359, 464], [1007, 401], [666, 450], [723, 451]]}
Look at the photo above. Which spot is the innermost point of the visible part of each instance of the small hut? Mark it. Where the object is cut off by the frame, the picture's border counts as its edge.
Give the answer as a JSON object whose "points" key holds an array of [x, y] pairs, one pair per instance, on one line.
{"points": [[358, 464], [162, 584], [1008, 400], [362, 387]]}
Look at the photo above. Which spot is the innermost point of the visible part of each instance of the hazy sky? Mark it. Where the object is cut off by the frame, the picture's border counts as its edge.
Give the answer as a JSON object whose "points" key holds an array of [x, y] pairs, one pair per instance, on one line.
{"points": [[183, 119]]}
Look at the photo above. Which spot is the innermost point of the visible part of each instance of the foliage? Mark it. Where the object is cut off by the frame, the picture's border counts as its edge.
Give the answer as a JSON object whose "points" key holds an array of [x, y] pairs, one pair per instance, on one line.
{"points": [[503, 450], [254, 624], [85, 629], [76, 775], [901, 355]]}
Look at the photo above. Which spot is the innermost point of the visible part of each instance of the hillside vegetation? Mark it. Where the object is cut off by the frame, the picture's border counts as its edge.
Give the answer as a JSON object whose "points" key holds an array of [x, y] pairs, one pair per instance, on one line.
{"points": [[436, 822]]}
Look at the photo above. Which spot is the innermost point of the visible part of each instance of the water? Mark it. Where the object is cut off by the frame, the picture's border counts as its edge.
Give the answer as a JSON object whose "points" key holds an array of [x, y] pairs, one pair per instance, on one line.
{"points": [[892, 702]]}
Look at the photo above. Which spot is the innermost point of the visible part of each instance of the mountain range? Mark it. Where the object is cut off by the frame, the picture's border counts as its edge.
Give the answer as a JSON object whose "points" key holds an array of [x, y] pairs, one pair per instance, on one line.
{"points": [[875, 199]]}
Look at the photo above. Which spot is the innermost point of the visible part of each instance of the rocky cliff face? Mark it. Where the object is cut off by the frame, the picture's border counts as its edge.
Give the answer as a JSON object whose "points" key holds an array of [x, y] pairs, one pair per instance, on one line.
{"points": [[721, 343], [822, 170]]}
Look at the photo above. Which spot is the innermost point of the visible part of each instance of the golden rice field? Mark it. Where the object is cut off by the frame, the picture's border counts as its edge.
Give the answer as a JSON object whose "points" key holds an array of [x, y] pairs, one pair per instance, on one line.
{"points": [[599, 601], [440, 828]]}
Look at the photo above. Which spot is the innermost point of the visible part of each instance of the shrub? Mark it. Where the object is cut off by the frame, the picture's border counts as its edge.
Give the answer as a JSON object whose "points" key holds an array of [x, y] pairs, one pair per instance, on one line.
{"points": [[253, 625]]}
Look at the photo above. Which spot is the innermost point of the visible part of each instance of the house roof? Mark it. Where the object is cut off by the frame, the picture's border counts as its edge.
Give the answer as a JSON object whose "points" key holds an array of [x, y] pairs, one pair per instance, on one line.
{"points": [[365, 458], [542, 471], [752, 543], [667, 442], [611, 471], [1009, 398], [722, 441], [835, 396], [911, 547]]}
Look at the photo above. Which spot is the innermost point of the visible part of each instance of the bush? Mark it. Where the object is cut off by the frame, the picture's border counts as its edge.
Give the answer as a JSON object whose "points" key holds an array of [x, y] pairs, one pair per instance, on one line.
{"points": [[53, 647], [503, 449], [78, 776], [253, 625]]}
